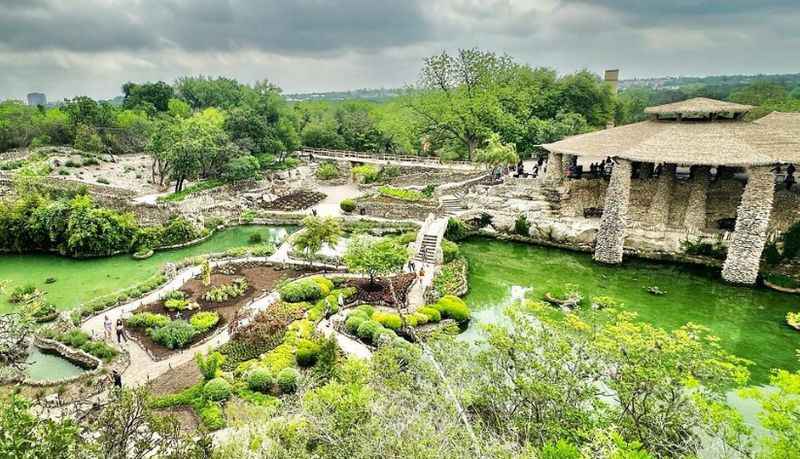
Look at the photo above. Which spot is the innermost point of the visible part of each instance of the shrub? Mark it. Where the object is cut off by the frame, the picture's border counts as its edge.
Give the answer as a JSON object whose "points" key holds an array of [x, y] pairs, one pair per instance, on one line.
{"points": [[209, 365], [327, 171], [225, 292], [260, 380], [306, 353], [366, 309], [147, 320], [432, 314], [456, 230], [22, 293], [707, 249], [791, 241], [217, 390], [449, 250], [175, 304], [287, 380], [367, 173], [389, 320], [402, 194], [368, 330], [99, 349], [325, 284], [771, 254], [301, 290], [255, 238], [212, 416], [353, 322], [521, 225], [453, 307], [174, 335], [348, 205], [204, 321], [75, 338], [262, 250]]}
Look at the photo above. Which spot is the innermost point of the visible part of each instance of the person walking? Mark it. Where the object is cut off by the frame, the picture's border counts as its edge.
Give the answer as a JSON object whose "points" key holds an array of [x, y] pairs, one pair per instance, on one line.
{"points": [[108, 328], [121, 332], [117, 378]]}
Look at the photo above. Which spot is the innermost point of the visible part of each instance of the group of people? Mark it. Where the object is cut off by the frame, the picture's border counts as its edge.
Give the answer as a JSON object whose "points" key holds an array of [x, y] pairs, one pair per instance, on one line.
{"points": [[109, 328], [789, 180]]}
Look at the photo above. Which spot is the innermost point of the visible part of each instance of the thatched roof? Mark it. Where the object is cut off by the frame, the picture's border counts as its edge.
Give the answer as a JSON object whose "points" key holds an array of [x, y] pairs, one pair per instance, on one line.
{"points": [[770, 140], [698, 106]]}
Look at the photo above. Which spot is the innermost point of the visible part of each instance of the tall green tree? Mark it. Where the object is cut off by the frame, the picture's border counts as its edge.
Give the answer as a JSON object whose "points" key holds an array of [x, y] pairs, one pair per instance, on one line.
{"points": [[375, 256], [150, 97]]}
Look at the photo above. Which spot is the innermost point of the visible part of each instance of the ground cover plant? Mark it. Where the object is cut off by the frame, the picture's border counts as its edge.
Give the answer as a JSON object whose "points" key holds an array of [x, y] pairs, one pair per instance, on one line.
{"points": [[402, 194]]}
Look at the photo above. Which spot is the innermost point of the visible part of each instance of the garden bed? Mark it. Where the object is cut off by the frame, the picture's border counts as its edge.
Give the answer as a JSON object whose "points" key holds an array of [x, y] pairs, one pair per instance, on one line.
{"points": [[379, 293], [299, 200], [259, 280]]}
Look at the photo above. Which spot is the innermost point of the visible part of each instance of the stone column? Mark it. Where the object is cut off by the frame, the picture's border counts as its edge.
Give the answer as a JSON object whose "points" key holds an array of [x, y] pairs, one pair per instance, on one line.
{"points": [[611, 235], [695, 218], [555, 168], [750, 236], [658, 212]]}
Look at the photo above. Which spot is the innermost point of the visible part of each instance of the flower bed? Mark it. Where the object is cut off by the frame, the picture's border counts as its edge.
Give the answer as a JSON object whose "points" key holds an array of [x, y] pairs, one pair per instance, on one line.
{"points": [[298, 200], [450, 280], [379, 293]]}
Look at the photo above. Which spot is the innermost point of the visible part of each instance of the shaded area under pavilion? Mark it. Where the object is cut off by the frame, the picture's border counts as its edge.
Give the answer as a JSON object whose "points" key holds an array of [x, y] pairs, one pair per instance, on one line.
{"points": [[701, 134]]}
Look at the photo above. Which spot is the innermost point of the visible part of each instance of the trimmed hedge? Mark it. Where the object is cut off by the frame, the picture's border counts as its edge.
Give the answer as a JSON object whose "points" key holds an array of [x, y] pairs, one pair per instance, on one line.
{"points": [[306, 353], [204, 321], [288, 380], [174, 335], [348, 205], [452, 307], [147, 320], [217, 390], [450, 250], [390, 320], [306, 289], [260, 380]]}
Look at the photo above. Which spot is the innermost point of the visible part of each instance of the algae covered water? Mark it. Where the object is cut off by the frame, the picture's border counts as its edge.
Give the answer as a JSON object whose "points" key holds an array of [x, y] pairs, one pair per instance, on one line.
{"points": [[749, 321], [42, 366], [76, 281]]}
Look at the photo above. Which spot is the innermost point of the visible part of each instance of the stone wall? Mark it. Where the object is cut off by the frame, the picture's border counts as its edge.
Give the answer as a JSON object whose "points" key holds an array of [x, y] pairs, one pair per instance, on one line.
{"points": [[396, 209]]}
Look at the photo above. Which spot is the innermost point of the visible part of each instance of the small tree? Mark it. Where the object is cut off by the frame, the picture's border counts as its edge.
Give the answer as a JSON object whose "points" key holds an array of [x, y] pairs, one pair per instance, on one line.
{"points": [[15, 331], [317, 231], [497, 153], [374, 256], [210, 364]]}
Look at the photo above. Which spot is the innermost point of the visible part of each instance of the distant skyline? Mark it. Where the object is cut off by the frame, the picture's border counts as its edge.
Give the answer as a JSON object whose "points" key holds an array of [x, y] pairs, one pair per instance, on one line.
{"points": [[65, 49]]}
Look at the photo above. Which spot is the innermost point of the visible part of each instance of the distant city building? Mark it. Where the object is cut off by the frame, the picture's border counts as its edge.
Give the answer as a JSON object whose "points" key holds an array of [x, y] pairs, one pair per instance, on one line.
{"points": [[37, 98]]}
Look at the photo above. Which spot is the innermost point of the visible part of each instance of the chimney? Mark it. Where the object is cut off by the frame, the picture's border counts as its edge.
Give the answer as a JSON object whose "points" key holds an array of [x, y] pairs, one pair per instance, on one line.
{"points": [[612, 78]]}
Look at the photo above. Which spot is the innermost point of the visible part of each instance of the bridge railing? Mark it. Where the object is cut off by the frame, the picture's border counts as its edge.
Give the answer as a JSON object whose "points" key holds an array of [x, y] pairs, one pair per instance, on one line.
{"points": [[346, 154]]}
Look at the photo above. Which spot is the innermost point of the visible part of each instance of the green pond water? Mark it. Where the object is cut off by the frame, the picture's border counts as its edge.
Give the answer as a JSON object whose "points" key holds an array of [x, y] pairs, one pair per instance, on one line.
{"points": [[81, 280], [49, 367], [749, 321]]}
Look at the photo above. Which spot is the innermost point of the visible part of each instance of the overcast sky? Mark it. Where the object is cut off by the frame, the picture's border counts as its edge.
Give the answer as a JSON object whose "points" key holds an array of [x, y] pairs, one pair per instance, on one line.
{"points": [[91, 47]]}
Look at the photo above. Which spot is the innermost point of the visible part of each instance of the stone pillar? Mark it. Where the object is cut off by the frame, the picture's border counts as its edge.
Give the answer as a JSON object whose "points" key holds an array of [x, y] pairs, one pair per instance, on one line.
{"points": [[695, 218], [611, 235], [555, 168], [658, 212], [750, 236]]}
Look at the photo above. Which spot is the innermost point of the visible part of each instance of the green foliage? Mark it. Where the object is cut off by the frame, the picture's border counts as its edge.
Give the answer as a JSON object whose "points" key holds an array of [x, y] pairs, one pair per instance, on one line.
{"points": [[560, 450], [235, 289], [86, 139], [327, 171], [255, 238], [402, 194], [373, 256], [174, 335], [306, 353], [771, 254], [217, 390], [194, 188], [204, 321], [353, 322], [147, 320], [209, 365], [288, 380], [791, 241], [175, 304], [431, 313], [456, 230], [497, 153], [369, 330], [305, 289], [348, 205], [317, 232], [366, 173], [450, 250], [707, 249], [390, 320], [212, 417], [25, 435], [23, 293], [260, 380], [452, 307], [522, 226], [245, 167]]}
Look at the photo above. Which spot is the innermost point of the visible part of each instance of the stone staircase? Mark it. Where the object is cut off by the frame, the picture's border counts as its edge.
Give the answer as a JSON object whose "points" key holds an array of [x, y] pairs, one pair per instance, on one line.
{"points": [[427, 249], [453, 204]]}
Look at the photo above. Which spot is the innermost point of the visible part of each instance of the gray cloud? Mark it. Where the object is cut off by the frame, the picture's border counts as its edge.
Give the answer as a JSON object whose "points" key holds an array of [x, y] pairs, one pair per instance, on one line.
{"points": [[91, 47]]}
